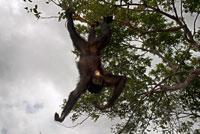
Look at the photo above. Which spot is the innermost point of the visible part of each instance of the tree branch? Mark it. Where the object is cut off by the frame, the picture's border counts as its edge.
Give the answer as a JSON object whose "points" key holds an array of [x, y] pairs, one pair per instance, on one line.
{"points": [[77, 17], [174, 8], [193, 74], [187, 82], [121, 5], [182, 61], [143, 32], [50, 17], [171, 65], [54, 2], [132, 114], [161, 12], [187, 32]]}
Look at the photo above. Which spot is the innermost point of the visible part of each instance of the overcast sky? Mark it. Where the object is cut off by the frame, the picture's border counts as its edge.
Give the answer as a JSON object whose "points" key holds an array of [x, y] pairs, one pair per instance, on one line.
{"points": [[37, 71]]}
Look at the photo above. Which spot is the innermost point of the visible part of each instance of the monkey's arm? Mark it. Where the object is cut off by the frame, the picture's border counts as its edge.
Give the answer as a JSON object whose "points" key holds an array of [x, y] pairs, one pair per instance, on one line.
{"points": [[73, 98], [78, 42]]}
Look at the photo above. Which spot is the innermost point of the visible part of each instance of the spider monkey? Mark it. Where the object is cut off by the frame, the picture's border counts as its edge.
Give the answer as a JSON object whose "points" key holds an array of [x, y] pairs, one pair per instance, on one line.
{"points": [[92, 76]]}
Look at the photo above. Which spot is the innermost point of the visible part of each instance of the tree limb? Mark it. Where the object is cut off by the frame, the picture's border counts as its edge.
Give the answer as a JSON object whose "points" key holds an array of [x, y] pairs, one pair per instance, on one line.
{"points": [[193, 74]]}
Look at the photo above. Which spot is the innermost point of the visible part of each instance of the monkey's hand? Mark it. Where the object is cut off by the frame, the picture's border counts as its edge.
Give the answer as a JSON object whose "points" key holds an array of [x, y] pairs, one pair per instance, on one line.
{"points": [[95, 24], [57, 118]]}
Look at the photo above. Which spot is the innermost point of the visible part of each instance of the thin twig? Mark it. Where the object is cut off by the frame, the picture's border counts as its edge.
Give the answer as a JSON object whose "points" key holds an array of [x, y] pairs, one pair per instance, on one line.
{"points": [[182, 61], [55, 3], [74, 125], [127, 12], [133, 111], [171, 65], [143, 32], [182, 10], [195, 23], [51, 17], [187, 32], [158, 54], [164, 13], [121, 5], [174, 7]]}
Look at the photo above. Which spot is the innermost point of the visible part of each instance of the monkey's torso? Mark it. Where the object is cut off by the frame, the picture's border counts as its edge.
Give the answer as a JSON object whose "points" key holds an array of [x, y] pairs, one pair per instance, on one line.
{"points": [[88, 64]]}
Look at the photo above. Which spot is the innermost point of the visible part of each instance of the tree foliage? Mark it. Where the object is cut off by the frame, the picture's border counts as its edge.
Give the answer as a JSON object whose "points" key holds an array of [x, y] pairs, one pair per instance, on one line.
{"points": [[158, 50]]}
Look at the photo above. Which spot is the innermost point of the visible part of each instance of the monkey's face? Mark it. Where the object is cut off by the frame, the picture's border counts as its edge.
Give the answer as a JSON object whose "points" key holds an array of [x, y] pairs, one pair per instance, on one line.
{"points": [[97, 78]]}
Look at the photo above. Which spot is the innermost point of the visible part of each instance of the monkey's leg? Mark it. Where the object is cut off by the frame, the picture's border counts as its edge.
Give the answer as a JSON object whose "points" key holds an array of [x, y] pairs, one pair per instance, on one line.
{"points": [[105, 36], [73, 98], [118, 82], [92, 32]]}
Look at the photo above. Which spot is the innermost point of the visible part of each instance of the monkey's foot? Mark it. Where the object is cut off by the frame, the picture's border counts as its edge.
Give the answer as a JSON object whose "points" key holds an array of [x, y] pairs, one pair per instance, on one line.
{"points": [[108, 19], [69, 12], [101, 107]]}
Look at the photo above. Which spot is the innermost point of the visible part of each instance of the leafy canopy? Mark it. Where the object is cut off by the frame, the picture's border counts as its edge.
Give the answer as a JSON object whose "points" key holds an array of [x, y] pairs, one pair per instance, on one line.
{"points": [[158, 50]]}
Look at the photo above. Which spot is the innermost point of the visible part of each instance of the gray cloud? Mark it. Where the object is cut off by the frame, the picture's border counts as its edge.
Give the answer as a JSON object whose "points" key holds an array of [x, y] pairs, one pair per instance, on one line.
{"points": [[31, 109], [4, 131], [37, 71]]}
